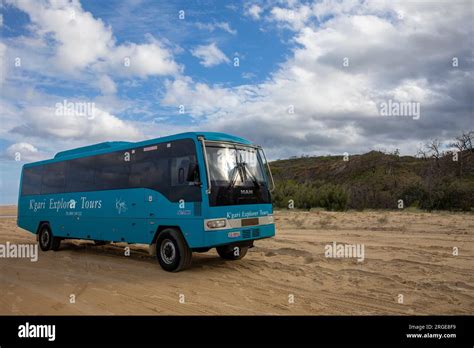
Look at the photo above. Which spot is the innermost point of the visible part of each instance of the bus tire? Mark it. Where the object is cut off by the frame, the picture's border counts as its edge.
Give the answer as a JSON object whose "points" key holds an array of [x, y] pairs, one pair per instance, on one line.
{"points": [[172, 251], [228, 252], [56, 243], [46, 239]]}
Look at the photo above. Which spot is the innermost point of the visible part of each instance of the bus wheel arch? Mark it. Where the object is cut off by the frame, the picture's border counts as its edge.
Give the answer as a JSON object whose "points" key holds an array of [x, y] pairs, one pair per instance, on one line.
{"points": [[46, 239], [40, 224], [159, 230]]}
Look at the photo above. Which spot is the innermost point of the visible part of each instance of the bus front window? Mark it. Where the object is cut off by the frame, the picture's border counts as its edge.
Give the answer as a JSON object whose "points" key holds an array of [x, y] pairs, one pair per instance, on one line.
{"points": [[237, 166], [237, 175]]}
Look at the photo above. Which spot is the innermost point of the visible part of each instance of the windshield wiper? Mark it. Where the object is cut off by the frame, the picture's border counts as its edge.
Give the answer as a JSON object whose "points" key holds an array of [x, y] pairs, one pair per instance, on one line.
{"points": [[237, 171], [250, 174], [244, 173]]}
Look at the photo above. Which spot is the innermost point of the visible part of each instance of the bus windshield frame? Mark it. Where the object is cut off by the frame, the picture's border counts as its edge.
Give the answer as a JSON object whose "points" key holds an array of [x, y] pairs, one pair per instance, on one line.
{"points": [[237, 165]]}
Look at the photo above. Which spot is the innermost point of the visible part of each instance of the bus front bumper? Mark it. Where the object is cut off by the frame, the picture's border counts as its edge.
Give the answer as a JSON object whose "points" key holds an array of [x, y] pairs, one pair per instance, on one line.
{"points": [[238, 235]]}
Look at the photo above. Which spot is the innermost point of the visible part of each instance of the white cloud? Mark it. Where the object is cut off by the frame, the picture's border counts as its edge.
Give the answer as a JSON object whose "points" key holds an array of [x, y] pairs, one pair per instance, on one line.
{"points": [[295, 18], [142, 60], [225, 26], [43, 122], [23, 152], [254, 11], [210, 55], [82, 41], [184, 91], [248, 75], [106, 85]]}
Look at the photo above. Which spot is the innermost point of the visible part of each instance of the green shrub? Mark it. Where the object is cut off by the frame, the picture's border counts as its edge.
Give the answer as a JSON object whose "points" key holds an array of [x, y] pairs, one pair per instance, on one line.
{"points": [[456, 195], [332, 197]]}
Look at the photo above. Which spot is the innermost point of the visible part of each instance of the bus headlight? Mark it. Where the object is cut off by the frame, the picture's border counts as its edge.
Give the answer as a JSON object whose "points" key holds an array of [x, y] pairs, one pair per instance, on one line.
{"points": [[216, 223]]}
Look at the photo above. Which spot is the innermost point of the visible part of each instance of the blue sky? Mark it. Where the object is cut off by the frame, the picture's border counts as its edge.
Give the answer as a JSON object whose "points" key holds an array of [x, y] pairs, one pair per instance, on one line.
{"points": [[311, 78]]}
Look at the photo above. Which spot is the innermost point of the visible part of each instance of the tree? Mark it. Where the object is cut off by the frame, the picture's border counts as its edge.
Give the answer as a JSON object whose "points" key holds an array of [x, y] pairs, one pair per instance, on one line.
{"points": [[422, 152], [434, 147], [463, 143]]}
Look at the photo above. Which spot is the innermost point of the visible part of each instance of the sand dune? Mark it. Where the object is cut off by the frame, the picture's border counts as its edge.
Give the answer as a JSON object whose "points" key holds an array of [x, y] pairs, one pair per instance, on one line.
{"points": [[408, 253]]}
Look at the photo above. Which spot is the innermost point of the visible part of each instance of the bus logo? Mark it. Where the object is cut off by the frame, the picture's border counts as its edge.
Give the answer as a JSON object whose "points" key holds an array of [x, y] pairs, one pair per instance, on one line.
{"points": [[120, 205]]}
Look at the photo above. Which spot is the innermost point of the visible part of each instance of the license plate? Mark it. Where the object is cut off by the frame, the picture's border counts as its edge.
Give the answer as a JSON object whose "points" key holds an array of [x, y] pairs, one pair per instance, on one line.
{"points": [[249, 222]]}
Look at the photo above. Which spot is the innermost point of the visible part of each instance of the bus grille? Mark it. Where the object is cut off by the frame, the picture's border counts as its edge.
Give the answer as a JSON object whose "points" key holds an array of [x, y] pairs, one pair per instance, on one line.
{"points": [[246, 234], [253, 233]]}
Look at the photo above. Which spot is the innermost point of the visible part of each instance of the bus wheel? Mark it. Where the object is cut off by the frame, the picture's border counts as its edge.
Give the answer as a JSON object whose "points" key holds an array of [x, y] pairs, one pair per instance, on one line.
{"points": [[46, 239], [232, 252], [172, 251]]}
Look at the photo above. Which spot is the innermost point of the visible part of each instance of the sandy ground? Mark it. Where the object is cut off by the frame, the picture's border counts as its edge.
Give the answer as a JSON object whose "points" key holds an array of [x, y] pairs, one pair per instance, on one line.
{"points": [[407, 253]]}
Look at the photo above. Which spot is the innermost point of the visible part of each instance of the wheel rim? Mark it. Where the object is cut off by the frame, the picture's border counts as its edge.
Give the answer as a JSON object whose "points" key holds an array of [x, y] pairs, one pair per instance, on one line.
{"points": [[168, 251], [45, 238]]}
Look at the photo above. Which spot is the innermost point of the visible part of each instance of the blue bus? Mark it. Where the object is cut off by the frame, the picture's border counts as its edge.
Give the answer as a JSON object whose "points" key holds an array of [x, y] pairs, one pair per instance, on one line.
{"points": [[179, 194]]}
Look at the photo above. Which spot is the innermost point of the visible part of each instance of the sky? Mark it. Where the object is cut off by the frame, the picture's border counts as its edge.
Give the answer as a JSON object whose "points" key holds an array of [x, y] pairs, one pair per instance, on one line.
{"points": [[297, 77]]}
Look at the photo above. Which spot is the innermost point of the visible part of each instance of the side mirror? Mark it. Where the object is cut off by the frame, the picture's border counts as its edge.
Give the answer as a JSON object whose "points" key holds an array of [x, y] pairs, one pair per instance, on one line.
{"points": [[193, 173]]}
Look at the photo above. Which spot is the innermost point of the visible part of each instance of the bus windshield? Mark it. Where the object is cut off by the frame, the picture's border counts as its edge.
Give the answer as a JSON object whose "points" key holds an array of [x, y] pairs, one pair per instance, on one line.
{"points": [[235, 166], [236, 175]]}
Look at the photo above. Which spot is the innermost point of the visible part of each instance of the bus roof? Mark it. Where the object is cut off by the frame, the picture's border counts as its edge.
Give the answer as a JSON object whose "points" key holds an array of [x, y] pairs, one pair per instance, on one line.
{"points": [[111, 146]]}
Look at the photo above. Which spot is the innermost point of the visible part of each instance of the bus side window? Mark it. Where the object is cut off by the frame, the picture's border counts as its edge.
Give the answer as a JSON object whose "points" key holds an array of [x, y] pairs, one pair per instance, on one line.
{"points": [[141, 174], [112, 172], [31, 180], [149, 170], [80, 175], [54, 178]]}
